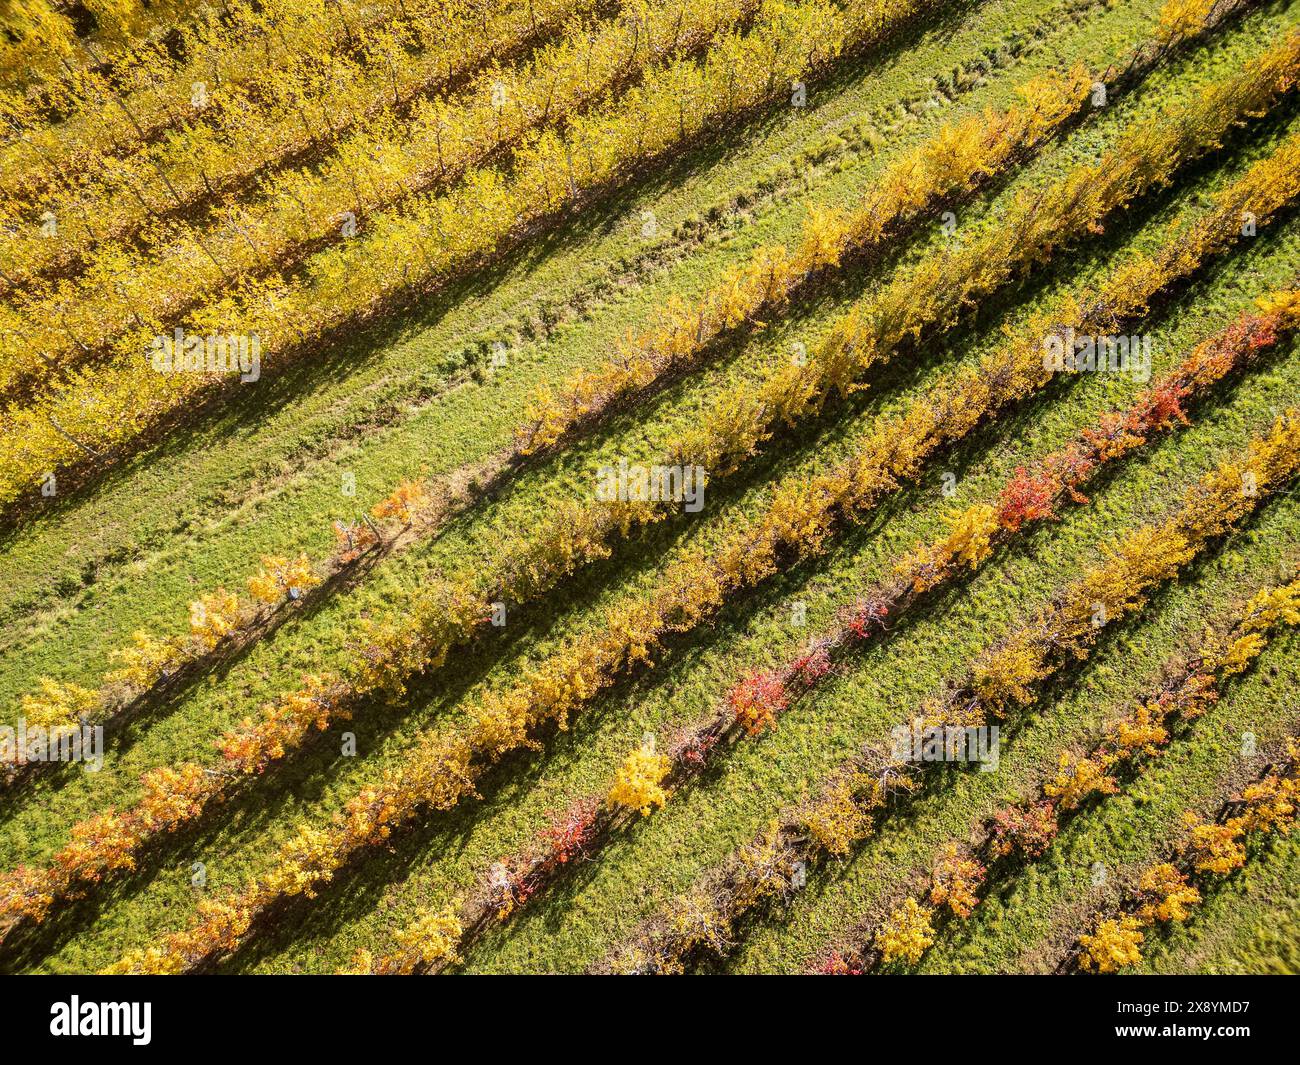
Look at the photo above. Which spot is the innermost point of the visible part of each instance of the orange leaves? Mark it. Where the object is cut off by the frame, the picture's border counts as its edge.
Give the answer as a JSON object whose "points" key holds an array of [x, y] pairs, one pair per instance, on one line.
{"points": [[405, 502], [957, 879], [173, 796], [757, 700], [252, 747], [1165, 895], [1026, 828], [1025, 498], [1271, 804]]}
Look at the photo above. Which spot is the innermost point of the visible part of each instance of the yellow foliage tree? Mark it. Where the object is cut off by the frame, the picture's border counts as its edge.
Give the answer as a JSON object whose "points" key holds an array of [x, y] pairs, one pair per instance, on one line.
{"points": [[213, 617], [1168, 895], [638, 782], [57, 704], [1076, 779], [1115, 944], [280, 576], [907, 934]]}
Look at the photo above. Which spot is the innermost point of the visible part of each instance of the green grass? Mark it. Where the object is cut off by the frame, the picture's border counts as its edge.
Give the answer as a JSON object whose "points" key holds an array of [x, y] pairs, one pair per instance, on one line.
{"points": [[267, 479]]}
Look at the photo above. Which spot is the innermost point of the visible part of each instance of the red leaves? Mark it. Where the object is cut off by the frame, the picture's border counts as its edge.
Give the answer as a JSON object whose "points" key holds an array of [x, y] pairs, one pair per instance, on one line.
{"points": [[757, 700], [569, 835], [866, 616], [810, 668], [1029, 830], [838, 965], [1027, 498], [1164, 404]]}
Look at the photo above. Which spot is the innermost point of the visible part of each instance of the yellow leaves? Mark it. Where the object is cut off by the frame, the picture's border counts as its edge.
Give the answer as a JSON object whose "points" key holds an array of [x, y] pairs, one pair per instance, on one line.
{"points": [[1271, 804], [638, 782], [1053, 97], [762, 869], [1216, 848], [1147, 556], [152, 961], [279, 577], [1142, 732], [363, 963], [801, 515], [1240, 653], [172, 796], [841, 815], [1273, 606], [824, 231], [57, 704], [144, 662], [308, 859], [213, 617], [434, 937], [1183, 18], [1077, 779], [1283, 305], [906, 935], [1116, 944], [1167, 895], [1007, 676], [972, 531], [956, 880], [968, 543]]}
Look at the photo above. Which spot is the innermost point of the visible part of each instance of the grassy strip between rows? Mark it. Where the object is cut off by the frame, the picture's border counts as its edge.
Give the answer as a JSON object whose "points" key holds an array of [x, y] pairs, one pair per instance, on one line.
{"points": [[441, 769], [130, 295], [801, 518], [999, 689], [753, 705], [1025, 830]]}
